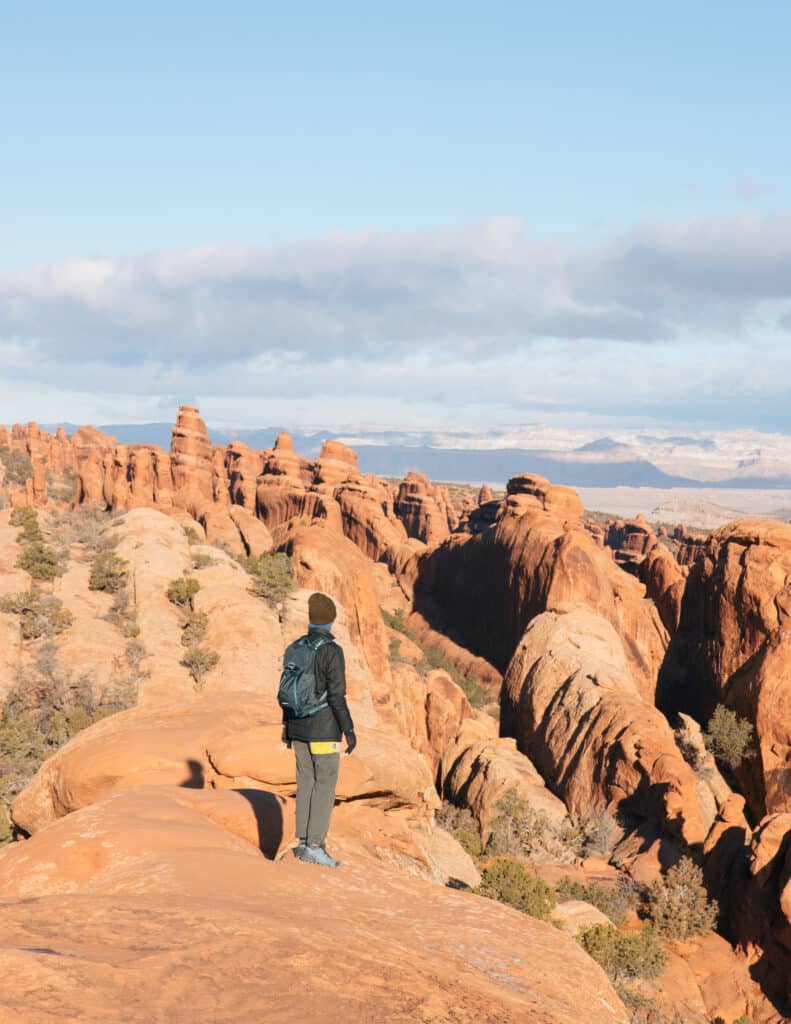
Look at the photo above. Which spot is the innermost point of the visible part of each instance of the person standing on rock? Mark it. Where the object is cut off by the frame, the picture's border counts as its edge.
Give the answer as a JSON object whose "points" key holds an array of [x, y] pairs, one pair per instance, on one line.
{"points": [[312, 695]]}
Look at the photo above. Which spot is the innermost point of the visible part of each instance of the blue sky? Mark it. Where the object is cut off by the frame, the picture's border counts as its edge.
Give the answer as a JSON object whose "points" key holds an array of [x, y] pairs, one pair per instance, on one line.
{"points": [[380, 185]]}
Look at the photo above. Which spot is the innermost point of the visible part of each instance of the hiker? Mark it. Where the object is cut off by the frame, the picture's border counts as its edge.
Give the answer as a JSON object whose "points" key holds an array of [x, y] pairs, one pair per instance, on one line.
{"points": [[312, 695]]}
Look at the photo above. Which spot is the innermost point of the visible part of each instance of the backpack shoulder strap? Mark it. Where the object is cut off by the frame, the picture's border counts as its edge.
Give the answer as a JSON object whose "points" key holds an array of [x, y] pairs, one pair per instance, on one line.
{"points": [[318, 642]]}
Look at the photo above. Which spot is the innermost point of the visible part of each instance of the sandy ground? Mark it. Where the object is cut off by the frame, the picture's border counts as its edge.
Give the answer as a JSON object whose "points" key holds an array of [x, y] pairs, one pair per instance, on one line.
{"points": [[705, 507]]}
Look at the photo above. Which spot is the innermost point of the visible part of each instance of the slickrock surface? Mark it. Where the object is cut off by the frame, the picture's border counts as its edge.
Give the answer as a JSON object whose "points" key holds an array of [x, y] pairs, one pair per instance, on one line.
{"points": [[147, 906]]}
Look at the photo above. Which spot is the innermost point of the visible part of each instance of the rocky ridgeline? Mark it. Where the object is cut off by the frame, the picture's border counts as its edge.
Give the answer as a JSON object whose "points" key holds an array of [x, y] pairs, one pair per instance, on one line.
{"points": [[599, 647]]}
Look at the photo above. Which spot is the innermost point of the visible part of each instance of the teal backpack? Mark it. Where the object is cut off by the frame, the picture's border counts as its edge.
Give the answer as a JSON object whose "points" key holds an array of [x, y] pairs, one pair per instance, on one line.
{"points": [[296, 694]]}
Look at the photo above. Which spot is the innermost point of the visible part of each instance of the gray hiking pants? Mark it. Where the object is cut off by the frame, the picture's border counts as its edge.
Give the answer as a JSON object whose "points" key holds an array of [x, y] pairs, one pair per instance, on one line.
{"points": [[317, 775]]}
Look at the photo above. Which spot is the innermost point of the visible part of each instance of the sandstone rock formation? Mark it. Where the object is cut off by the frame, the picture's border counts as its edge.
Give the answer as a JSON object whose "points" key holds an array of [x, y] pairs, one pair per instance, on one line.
{"points": [[630, 541], [750, 874], [733, 647], [570, 700], [422, 509], [482, 590], [690, 545], [664, 581]]}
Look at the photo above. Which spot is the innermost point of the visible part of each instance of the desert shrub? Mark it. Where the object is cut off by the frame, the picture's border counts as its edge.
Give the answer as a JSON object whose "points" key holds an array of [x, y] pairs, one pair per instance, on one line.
{"points": [[728, 736], [41, 616], [134, 653], [202, 561], [510, 882], [462, 826], [41, 713], [22, 749], [27, 518], [83, 524], [624, 956], [194, 629], [593, 834], [199, 662], [20, 516], [394, 649], [678, 904], [192, 535], [273, 576], [18, 466], [108, 572], [40, 560], [518, 830], [435, 658], [182, 591], [642, 1008], [395, 620], [613, 900]]}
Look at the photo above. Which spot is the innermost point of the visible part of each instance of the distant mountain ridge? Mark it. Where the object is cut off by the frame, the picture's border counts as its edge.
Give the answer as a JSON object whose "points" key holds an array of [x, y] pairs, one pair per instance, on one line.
{"points": [[603, 461]]}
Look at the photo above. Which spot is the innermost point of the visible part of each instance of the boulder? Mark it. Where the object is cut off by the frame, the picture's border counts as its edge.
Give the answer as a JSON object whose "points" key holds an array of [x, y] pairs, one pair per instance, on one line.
{"points": [[571, 702]]}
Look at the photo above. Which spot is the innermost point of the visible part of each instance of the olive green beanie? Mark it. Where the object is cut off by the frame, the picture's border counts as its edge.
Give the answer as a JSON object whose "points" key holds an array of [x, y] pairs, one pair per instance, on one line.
{"points": [[321, 610]]}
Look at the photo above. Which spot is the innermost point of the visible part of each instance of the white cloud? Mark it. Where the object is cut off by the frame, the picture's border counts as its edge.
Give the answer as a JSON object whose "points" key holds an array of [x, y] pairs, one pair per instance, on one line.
{"points": [[485, 319]]}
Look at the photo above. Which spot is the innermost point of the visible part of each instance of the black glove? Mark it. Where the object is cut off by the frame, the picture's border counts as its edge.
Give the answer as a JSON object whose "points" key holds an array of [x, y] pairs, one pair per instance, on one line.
{"points": [[351, 742], [284, 736]]}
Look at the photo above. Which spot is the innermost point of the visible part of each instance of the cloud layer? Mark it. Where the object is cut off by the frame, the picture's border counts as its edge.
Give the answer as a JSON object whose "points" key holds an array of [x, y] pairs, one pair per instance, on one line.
{"points": [[484, 318]]}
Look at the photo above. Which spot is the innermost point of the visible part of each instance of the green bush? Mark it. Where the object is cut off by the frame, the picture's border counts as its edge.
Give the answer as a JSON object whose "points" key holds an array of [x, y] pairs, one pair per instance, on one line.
{"points": [[43, 712], [199, 662], [273, 576], [39, 560], [509, 882], [462, 826], [182, 591], [395, 620], [678, 904], [41, 616], [202, 561], [613, 900], [394, 649], [108, 572], [194, 629], [27, 518], [435, 658], [518, 830], [18, 467], [624, 956], [23, 515], [728, 736]]}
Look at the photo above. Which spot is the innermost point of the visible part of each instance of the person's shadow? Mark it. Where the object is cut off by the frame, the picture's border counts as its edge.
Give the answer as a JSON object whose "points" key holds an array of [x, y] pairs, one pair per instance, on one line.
{"points": [[265, 805], [269, 818]]}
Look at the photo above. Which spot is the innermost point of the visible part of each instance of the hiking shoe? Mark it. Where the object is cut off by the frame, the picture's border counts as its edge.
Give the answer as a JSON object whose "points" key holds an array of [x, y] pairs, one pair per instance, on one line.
{"points": [[300, 851], [318, 855]]}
